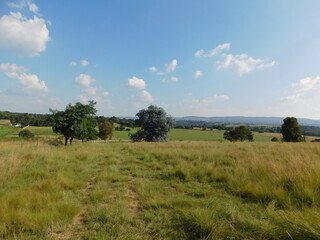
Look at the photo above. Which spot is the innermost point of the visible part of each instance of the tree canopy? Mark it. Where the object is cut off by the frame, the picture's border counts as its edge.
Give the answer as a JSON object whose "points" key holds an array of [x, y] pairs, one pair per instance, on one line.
{"points": [[238, 134], [75, 121], [105, 130], [155, 125], [291, 130]]}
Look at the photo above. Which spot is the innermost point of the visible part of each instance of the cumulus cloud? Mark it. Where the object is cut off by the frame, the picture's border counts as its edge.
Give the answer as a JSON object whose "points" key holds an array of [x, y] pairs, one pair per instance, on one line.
{"points": [[26, 37], [84, 63], [7, 67], [30, 81], [73, 63], [170, 67], [243, 63], [146, 96], [307, 84], [197, 74], [304, 89], [136, 83], [84, 80], [24, 3], [215, 51], [105, 94], [153, 69]]}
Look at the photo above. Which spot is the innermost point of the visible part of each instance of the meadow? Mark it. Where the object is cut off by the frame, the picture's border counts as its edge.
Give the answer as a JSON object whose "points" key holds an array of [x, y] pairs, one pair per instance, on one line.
{"points": [[173, 190]]}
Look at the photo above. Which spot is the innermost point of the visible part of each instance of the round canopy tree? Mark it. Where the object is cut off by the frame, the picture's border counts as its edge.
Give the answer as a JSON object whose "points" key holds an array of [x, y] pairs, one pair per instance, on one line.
{"points": [[155, 125], [291, 130]]}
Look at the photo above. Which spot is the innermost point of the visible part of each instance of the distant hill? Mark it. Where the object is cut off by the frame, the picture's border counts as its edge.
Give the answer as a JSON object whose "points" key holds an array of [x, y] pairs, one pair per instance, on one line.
{"points": [[275, 121]]}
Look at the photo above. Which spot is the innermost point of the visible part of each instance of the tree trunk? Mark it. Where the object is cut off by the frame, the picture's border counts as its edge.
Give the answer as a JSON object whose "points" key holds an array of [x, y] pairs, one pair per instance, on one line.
{"points": [[65, 141]]}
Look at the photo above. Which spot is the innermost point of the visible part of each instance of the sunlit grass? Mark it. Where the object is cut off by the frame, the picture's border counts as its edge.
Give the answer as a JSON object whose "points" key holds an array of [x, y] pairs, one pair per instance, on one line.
{"points": [[173, 190]]}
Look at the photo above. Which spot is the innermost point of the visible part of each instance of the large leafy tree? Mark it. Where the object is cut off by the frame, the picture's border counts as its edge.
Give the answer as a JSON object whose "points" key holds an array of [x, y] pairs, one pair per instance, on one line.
{"points": [[155, 125], [291, 130], [238, 134], [70, 122]]}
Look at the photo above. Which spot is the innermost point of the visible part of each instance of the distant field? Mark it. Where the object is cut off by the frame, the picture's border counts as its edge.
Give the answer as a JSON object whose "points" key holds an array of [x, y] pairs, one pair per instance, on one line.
{"points": [[7, 131], [155, 191]]}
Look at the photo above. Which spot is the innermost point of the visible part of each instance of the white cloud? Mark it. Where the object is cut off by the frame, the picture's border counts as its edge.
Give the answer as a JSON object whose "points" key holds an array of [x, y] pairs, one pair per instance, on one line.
{"points": [[84, 63], [7, 67], [306, 84], [30, 81], [105, 94], [153, 69], [73, 63], [172, 79], [215, 51], [170, 67], [24, 3], [136, 83], [91, 90], [197, 74], [211, 99], [26, 37], [146, 96], [84, 80], [243, 63], [33, 7]]}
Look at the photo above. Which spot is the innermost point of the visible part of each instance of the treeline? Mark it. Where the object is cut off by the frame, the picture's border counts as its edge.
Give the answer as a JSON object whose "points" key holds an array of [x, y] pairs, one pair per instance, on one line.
{"points": [[45, 120], [189, 124]]}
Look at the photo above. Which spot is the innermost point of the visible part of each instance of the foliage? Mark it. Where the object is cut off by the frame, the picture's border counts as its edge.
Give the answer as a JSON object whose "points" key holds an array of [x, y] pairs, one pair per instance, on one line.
{"points": [[26, 134], [274, 139], [74, 121], [291, 130], [238, 134], [155, 125], [105, 130], [86, 129]]}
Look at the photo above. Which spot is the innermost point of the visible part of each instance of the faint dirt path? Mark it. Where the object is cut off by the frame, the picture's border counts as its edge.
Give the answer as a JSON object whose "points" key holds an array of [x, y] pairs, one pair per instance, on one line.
{"points": [[76, 227]]}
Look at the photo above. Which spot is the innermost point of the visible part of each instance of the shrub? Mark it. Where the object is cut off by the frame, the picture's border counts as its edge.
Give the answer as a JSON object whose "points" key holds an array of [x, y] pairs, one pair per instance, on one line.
{"points": [[26, 134]]}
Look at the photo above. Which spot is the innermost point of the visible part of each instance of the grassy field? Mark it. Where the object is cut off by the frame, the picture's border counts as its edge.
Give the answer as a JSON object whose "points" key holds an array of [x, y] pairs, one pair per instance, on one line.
{"points": [[174, 190], [9, 132]]}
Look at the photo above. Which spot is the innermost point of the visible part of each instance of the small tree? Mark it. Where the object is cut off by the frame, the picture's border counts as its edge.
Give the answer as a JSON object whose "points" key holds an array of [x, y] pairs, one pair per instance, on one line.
{"points": [[155, 125], [291, 130], [26, 134], [274, 139], [105, 130], [238, 134]]}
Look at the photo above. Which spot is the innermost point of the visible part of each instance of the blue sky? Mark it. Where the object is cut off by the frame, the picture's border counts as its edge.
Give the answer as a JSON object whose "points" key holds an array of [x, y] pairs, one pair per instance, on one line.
{"points": [[205, 58]]}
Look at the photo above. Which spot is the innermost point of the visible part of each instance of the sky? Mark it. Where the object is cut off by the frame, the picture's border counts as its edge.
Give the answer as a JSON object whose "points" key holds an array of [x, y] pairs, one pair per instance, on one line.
{"points": [[190, 57]]}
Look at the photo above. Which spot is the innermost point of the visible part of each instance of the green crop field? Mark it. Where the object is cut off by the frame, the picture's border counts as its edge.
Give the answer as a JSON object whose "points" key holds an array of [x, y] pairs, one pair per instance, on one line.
{"points": [[174, 190]]}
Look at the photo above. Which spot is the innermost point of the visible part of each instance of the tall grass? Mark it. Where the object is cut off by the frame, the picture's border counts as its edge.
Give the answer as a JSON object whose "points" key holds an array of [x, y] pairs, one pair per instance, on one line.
{"points": [[174, 190]]}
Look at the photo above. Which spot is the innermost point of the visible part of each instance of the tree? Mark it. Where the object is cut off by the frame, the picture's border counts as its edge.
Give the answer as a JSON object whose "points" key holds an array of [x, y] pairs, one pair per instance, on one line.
{"points": [[155, 125], [238, 134], [86, 129], [291, 130], [26, 134], [68, 122], [105, 130]]}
